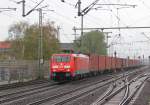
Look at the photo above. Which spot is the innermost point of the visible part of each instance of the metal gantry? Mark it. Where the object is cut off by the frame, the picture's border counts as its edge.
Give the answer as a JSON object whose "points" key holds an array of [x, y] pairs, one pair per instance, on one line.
{"points": [[40, 44], [40, 41], [83, 12]]}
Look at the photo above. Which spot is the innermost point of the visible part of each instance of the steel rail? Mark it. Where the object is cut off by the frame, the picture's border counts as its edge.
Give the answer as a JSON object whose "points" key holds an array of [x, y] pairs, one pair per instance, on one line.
{"points": [[55, 96], [24, 93], [126, 94], [27, 90], [12, 100], [129, 98], [109, 91], [74, 90], [110, 96]]}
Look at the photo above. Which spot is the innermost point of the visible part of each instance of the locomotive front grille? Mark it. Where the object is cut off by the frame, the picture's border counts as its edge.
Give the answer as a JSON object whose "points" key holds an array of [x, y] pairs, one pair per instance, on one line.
{"points": [[61, 75]]}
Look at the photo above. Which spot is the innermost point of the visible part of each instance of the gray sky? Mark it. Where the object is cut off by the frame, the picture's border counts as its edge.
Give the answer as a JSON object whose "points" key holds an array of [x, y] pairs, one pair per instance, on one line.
{"points": [[64, 16]]}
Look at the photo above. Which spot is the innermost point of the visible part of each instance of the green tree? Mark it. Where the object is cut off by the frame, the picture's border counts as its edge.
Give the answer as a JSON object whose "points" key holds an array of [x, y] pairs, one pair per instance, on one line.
{"points": [[17, 34], [26, 45], [92, 42]]}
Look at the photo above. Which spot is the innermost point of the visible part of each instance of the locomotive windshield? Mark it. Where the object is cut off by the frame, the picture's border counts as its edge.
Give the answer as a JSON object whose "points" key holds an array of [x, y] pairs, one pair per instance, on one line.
{"points": [[61, 58]]}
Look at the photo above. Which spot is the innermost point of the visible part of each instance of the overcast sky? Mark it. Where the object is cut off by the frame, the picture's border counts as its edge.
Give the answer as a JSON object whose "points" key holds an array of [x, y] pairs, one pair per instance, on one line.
{"points": [[133, 42]]}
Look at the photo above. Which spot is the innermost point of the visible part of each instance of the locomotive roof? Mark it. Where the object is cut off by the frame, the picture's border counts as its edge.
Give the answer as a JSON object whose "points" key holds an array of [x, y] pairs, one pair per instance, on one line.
{"points": [[75, 55]]}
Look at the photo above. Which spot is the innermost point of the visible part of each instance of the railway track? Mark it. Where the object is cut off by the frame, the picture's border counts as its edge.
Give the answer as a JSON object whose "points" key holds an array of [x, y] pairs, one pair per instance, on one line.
{"points": [[22, 84], [27, 92], [73, 94], [133, 89], [15, 96], [18, 90], [123, 94], [22, 98]]}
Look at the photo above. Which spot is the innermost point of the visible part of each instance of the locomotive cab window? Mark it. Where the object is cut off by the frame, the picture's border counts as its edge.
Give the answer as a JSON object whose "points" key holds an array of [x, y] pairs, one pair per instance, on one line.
{"points": [[61, 58]]}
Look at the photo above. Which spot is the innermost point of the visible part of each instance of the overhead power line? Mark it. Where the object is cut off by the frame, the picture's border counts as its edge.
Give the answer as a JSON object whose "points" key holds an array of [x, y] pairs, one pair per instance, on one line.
{"points": [[108, 28], [23, 7], [84, 12], [40, 41], [146, 36], [119, 5], [7, 9], [87, 9]]}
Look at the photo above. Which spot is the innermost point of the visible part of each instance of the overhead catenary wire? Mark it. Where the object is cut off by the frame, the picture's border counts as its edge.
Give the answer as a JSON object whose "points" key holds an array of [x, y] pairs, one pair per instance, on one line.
{"points": [[34, 1], [117, 36], [115, 13], [8, 14], [118, 17], [16, 17], [146, 36], [33, 8], [88, 8], [62, 15], [88, 14]]}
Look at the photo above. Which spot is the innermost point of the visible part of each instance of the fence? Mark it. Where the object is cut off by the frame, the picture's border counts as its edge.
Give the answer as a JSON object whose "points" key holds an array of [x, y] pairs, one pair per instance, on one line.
{"points": [[20, 71]]}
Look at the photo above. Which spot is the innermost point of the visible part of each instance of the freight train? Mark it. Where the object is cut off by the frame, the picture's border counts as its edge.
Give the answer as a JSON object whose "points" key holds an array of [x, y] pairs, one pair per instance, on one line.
{"points": [[74, 66]]}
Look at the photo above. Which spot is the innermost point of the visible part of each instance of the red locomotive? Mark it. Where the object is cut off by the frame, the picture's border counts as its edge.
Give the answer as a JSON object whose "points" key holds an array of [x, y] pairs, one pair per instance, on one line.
{"points": [[71, 66], [68, 66]]}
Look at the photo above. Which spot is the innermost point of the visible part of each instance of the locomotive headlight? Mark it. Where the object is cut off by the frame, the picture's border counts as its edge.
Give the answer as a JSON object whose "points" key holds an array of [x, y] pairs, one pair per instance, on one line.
{"points": [[54, 70], [55, 67], [66, 67]]}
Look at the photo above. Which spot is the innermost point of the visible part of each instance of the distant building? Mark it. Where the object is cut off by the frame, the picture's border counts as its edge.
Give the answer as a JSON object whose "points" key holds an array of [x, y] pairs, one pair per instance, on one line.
{"points": [[68, 46], [4, 46]]}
